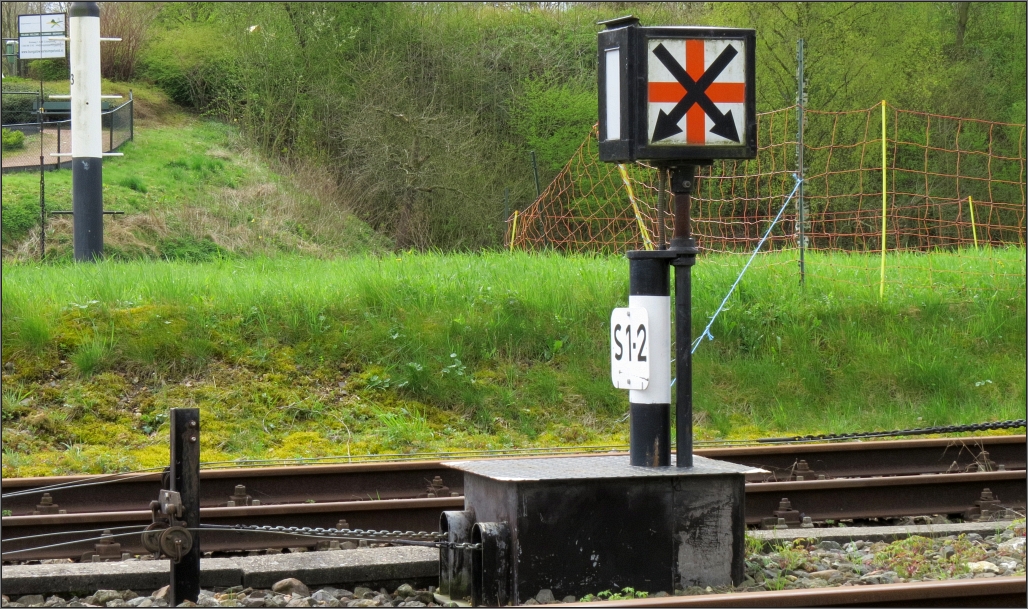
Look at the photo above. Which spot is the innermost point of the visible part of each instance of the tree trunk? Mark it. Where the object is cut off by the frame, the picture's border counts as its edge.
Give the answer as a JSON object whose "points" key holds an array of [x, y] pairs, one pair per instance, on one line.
{"points": [[963, 10]]}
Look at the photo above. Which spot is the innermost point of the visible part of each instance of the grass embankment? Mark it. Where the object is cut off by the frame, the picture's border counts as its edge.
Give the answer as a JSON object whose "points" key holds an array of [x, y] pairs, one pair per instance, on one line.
{"points": [[191, 190], [293, 357]]}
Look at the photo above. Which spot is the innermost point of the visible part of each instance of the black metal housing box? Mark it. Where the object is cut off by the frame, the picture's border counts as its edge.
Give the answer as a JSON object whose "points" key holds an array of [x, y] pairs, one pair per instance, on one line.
{"points": [[580, 525]]}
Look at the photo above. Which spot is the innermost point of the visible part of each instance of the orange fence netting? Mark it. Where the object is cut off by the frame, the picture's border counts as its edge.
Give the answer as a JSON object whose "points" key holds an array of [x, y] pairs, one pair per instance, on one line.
{"points": [[953, 184]]}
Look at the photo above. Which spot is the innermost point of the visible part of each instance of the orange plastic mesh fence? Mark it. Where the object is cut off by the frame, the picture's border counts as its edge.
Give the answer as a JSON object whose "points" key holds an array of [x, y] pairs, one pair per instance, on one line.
{"points": [[953, 184]]}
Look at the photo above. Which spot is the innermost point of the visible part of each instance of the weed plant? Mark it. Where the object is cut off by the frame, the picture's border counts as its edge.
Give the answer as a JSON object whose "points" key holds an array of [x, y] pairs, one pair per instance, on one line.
{"points": [[299, 357]]}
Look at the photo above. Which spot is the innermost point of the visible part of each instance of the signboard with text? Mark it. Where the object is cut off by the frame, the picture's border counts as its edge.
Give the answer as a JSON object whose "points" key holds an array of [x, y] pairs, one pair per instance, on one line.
{"points": [[36, 34]]}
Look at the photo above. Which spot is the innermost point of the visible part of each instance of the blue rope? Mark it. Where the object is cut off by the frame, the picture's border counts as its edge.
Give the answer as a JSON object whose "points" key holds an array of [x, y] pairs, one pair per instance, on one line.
{"points": [[706, 331]]}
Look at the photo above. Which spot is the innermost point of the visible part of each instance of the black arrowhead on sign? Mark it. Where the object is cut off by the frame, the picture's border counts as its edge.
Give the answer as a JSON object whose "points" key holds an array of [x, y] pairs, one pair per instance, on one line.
{"points": [[725, 127], [667, 125], [695, 93]]}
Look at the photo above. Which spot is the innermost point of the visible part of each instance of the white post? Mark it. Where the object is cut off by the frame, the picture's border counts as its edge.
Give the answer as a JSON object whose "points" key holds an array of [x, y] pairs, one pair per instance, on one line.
{"points": [[86, 131]]}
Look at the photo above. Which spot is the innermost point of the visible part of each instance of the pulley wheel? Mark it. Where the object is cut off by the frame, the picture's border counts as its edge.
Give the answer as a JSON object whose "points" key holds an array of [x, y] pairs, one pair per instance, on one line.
{"points": [[176, 542], [152, 537]]}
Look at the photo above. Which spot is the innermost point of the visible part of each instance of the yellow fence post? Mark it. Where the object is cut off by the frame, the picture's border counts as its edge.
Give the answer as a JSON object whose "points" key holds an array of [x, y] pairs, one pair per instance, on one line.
{"points": [[647, 241], [974, 230], [514, 230], [881, 285]]}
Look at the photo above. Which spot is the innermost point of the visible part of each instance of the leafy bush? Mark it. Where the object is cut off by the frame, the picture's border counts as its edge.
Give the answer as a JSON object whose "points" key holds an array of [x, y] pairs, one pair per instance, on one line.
{"points": [[13, 139], [18, 109], [191, 64], [554, 118], [20, 215], [48, 69]]}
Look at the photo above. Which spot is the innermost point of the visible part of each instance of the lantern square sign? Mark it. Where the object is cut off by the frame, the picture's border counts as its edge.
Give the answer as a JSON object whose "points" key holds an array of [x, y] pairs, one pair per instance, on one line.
{"points": [[683, 93]]}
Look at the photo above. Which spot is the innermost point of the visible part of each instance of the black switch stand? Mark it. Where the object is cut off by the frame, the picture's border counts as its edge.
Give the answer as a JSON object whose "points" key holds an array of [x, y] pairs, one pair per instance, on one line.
{"points": [[185, 479]]}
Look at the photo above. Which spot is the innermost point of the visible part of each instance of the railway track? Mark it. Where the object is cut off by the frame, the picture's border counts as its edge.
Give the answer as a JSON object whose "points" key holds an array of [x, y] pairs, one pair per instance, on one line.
{"points": [[405, 480], [997, 592], [860, 480]]}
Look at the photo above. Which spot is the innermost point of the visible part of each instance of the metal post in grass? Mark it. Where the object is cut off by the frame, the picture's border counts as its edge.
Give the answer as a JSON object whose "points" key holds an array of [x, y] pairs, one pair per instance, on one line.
{"points": [[42, 179], [801, 100], [885, 190], [87, 132], [185, 480], [539, 193]]}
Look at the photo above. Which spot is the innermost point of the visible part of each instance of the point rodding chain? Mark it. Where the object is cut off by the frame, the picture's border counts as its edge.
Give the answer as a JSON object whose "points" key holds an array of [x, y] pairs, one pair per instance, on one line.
{"points": [[421, 538]]}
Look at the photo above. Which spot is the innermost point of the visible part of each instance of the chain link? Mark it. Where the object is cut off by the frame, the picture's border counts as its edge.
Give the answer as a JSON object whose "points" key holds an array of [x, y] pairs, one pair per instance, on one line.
{"points": [[903, 432], [428, 537]]}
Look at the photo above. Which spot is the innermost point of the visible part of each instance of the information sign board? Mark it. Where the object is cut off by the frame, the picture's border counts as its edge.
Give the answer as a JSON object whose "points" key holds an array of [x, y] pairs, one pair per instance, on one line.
{"points": [[35, 33], [629, 348]]}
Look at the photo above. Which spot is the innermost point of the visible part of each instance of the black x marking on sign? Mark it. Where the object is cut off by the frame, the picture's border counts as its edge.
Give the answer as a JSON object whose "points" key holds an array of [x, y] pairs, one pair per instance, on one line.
{"points": [[695, 93]]}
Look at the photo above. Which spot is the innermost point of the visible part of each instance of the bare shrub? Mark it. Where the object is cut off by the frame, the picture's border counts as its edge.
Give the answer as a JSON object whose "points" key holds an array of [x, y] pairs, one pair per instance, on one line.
{"points": [[131, 22]]}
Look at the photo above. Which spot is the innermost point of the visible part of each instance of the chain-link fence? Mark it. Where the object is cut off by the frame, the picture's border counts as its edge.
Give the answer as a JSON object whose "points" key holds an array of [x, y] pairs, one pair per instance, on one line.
{"points": [[47, 130]]}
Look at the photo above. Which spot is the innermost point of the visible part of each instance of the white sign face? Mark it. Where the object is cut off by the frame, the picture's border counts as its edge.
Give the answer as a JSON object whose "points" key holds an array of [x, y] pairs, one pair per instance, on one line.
{"points": [[34, 33], [629, 348], [696, 92]]}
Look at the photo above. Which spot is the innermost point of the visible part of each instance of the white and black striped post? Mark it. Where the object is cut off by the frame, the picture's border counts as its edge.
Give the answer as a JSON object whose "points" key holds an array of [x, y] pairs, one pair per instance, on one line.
{"points": [[650, 409], [87, 133]]}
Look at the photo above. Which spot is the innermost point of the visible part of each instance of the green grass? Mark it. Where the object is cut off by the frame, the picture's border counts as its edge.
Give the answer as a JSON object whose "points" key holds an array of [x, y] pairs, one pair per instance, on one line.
{"points": [[300, 357], [191, 190]]}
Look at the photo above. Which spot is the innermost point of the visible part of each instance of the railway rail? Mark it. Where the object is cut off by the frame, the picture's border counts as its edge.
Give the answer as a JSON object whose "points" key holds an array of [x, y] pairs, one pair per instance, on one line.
{"points": [[996, 592], [405, 480], [856, 480]]}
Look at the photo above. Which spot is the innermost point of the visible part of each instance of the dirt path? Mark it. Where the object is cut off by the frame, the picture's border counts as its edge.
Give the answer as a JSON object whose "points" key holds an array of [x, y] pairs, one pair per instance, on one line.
{"points": [[29, 155]]}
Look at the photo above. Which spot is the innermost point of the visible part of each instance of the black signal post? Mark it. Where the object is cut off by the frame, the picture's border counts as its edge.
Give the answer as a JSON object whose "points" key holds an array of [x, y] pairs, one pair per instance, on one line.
{"points": [[680, 97]]}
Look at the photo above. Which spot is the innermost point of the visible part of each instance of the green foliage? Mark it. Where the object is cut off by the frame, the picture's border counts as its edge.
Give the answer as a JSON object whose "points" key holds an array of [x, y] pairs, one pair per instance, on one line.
{"points": [[624, 594], [93, 355], [453, 97], [191, 63], [554, 118], [386, 353], [20, 213], [191, 249], [918, 557], [192, 192], [404, 427], [48, 69], [133, 183], [13, 139]]}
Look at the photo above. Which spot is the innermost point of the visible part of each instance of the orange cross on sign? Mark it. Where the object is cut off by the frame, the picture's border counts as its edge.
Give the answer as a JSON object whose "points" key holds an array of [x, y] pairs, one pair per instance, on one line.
{"points": [[702, 81]]}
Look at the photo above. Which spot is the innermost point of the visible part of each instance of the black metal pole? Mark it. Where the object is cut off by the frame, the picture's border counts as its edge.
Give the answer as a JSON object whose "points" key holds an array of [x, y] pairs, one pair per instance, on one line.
{"points": [[682, 243], [650, 409], [42, 180], [185, 480]]}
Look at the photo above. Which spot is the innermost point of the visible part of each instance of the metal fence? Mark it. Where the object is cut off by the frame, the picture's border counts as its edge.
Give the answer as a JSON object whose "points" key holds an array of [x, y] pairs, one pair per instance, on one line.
{"points": [[50, 133]]}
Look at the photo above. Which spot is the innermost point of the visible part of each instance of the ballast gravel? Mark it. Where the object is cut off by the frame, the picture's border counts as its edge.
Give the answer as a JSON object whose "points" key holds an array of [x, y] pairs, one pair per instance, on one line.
{"points": [[803, 563]]}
